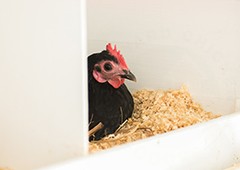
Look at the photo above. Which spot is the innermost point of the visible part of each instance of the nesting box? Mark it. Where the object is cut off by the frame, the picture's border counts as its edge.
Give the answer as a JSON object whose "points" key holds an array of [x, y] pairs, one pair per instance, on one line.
{"points": [[43, 59]]}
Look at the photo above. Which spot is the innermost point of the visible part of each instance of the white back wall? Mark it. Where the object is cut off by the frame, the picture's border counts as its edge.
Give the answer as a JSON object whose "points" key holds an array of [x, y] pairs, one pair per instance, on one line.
{"points": [[170, 43]]}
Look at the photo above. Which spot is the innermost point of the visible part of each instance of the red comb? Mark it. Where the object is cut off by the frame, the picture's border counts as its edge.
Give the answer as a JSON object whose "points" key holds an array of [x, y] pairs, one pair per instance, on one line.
{"points": [[117, 55]]}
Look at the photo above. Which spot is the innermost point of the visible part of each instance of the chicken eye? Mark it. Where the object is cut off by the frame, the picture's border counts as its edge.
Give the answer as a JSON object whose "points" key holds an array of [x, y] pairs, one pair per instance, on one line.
{"points": [[107, 67], [98, 69]]}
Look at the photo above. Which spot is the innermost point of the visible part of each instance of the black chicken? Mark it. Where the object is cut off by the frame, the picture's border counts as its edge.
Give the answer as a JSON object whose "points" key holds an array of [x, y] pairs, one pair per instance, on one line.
{"points": [[110, 102]]}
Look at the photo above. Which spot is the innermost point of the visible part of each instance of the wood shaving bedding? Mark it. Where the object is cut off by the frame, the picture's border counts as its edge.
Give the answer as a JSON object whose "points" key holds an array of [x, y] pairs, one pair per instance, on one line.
{"points": [[4, 168], [156, 112]]}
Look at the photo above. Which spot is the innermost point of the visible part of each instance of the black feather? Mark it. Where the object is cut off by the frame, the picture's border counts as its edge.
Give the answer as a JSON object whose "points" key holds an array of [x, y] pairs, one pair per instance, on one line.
{"points": [[106, 104]]}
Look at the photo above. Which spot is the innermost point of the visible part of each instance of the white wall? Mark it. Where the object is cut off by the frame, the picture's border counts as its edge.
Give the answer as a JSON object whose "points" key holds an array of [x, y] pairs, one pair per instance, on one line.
{"points": [[169, 43], [41, 82]]}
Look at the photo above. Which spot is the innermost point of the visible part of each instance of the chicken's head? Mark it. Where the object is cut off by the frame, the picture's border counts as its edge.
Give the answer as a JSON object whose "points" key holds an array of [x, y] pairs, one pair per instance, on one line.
{"points": [[112, 69]]}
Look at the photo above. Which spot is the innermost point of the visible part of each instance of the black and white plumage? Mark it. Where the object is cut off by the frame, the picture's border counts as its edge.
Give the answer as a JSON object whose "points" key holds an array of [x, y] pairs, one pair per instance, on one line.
{"points": [[110, 102]]}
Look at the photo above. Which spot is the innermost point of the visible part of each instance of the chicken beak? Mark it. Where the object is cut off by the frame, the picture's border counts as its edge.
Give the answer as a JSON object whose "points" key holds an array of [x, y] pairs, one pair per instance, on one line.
{"points": [[129, 75]]}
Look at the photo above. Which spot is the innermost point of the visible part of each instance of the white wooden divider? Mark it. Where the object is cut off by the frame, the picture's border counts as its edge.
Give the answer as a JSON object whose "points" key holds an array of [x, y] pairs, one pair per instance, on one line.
{"points": [[43, 85]]}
